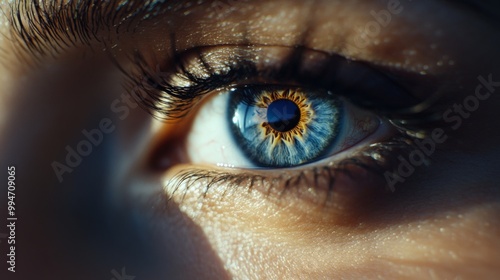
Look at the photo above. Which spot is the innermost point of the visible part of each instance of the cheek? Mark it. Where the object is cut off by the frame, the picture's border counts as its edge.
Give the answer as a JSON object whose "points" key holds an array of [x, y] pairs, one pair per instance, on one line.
{"points": [[242, 231], [249, 235], [462, 243]]}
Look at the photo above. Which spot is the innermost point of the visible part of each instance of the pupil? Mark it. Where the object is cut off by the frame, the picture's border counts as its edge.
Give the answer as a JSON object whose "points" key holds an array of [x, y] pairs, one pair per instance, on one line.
{"points": [[283, 115]]}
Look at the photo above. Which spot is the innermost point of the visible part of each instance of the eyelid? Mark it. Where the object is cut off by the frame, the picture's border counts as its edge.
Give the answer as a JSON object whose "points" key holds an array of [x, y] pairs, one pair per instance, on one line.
{"points": [[338, 185], [170, 90], [199, 72]]}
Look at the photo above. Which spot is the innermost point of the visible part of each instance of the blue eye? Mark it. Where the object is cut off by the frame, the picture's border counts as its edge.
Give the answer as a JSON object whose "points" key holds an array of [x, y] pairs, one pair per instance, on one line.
{"points": [[276, 127], [284, 128]]}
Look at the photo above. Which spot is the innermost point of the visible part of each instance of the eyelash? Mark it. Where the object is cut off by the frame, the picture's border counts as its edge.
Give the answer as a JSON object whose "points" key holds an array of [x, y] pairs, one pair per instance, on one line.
{"points": [[168, 101], [42, 29], [152, 89], [377, 159], [41, 37]]}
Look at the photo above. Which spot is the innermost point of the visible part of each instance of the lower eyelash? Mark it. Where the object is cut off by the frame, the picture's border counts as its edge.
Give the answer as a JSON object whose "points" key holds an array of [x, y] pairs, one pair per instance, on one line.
{"points": [[373, 162]]}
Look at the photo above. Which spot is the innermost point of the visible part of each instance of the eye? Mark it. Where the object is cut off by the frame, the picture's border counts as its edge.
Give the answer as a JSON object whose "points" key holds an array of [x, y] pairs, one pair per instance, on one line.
{"points": [[278, 108], [276, 127]]}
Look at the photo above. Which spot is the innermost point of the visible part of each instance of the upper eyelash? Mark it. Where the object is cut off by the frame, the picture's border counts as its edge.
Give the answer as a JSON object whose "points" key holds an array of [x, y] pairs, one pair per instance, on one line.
{"points": [[167, 100]]}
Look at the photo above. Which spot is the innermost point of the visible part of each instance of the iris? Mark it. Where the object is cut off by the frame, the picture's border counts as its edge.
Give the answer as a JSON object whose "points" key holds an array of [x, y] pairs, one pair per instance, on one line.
{"points": [[277, 127]]}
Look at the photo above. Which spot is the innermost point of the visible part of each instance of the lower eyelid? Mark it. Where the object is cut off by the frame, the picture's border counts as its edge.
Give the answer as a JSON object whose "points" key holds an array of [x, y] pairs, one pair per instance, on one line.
{"points": [[336, 191], [342, 181]]}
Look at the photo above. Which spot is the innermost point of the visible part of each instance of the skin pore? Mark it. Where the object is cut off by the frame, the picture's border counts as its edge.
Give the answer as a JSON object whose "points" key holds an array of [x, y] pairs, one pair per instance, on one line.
{"points": [[120, 207]]}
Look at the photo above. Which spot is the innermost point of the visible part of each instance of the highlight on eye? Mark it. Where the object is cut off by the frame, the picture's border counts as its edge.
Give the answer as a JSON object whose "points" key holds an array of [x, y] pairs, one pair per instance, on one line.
{"points": [[276, 127], [283, 128], [276, 110]]}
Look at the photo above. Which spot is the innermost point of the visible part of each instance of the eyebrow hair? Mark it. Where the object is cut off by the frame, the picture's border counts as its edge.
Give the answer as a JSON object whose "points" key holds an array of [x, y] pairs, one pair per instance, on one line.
{"points": [[45, 28], [41, 28]]}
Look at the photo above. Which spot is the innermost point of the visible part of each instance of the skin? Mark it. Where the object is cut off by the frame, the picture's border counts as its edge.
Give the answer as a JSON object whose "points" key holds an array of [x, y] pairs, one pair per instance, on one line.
{"points": [[113, 210]]}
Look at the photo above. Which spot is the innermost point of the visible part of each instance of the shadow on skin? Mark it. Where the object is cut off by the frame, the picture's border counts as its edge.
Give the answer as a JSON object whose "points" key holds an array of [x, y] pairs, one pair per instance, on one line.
{"points": [[75, 231]]}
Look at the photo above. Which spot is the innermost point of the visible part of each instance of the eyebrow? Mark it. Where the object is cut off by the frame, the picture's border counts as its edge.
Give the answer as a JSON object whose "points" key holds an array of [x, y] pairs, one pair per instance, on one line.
{"points": [[45, 28]]}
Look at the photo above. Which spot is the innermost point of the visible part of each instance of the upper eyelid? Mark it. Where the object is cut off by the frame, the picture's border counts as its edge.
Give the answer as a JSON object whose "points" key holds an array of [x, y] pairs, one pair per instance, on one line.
{"points": [[158, 85]]}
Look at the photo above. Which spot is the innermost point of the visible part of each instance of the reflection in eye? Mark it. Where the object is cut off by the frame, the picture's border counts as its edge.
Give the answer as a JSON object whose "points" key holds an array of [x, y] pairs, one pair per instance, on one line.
{"points": [[283, 128], [277, 127], [332, 131]]}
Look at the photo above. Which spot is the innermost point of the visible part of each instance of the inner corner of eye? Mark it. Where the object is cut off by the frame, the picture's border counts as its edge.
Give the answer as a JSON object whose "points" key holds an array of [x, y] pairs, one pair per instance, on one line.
{"points": [[276, 127]]}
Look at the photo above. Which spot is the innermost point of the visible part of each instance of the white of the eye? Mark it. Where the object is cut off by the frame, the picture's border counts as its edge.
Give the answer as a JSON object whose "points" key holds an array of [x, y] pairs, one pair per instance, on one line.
{"points": [[210, 139]]}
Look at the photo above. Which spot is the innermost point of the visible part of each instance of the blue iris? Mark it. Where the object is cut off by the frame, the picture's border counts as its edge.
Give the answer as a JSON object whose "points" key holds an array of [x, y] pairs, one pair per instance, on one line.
{"points": [[283, 127]]}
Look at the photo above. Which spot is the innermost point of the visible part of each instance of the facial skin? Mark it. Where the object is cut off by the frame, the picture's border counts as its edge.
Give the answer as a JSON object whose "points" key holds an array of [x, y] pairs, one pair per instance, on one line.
{"points": [[119, 206]]}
